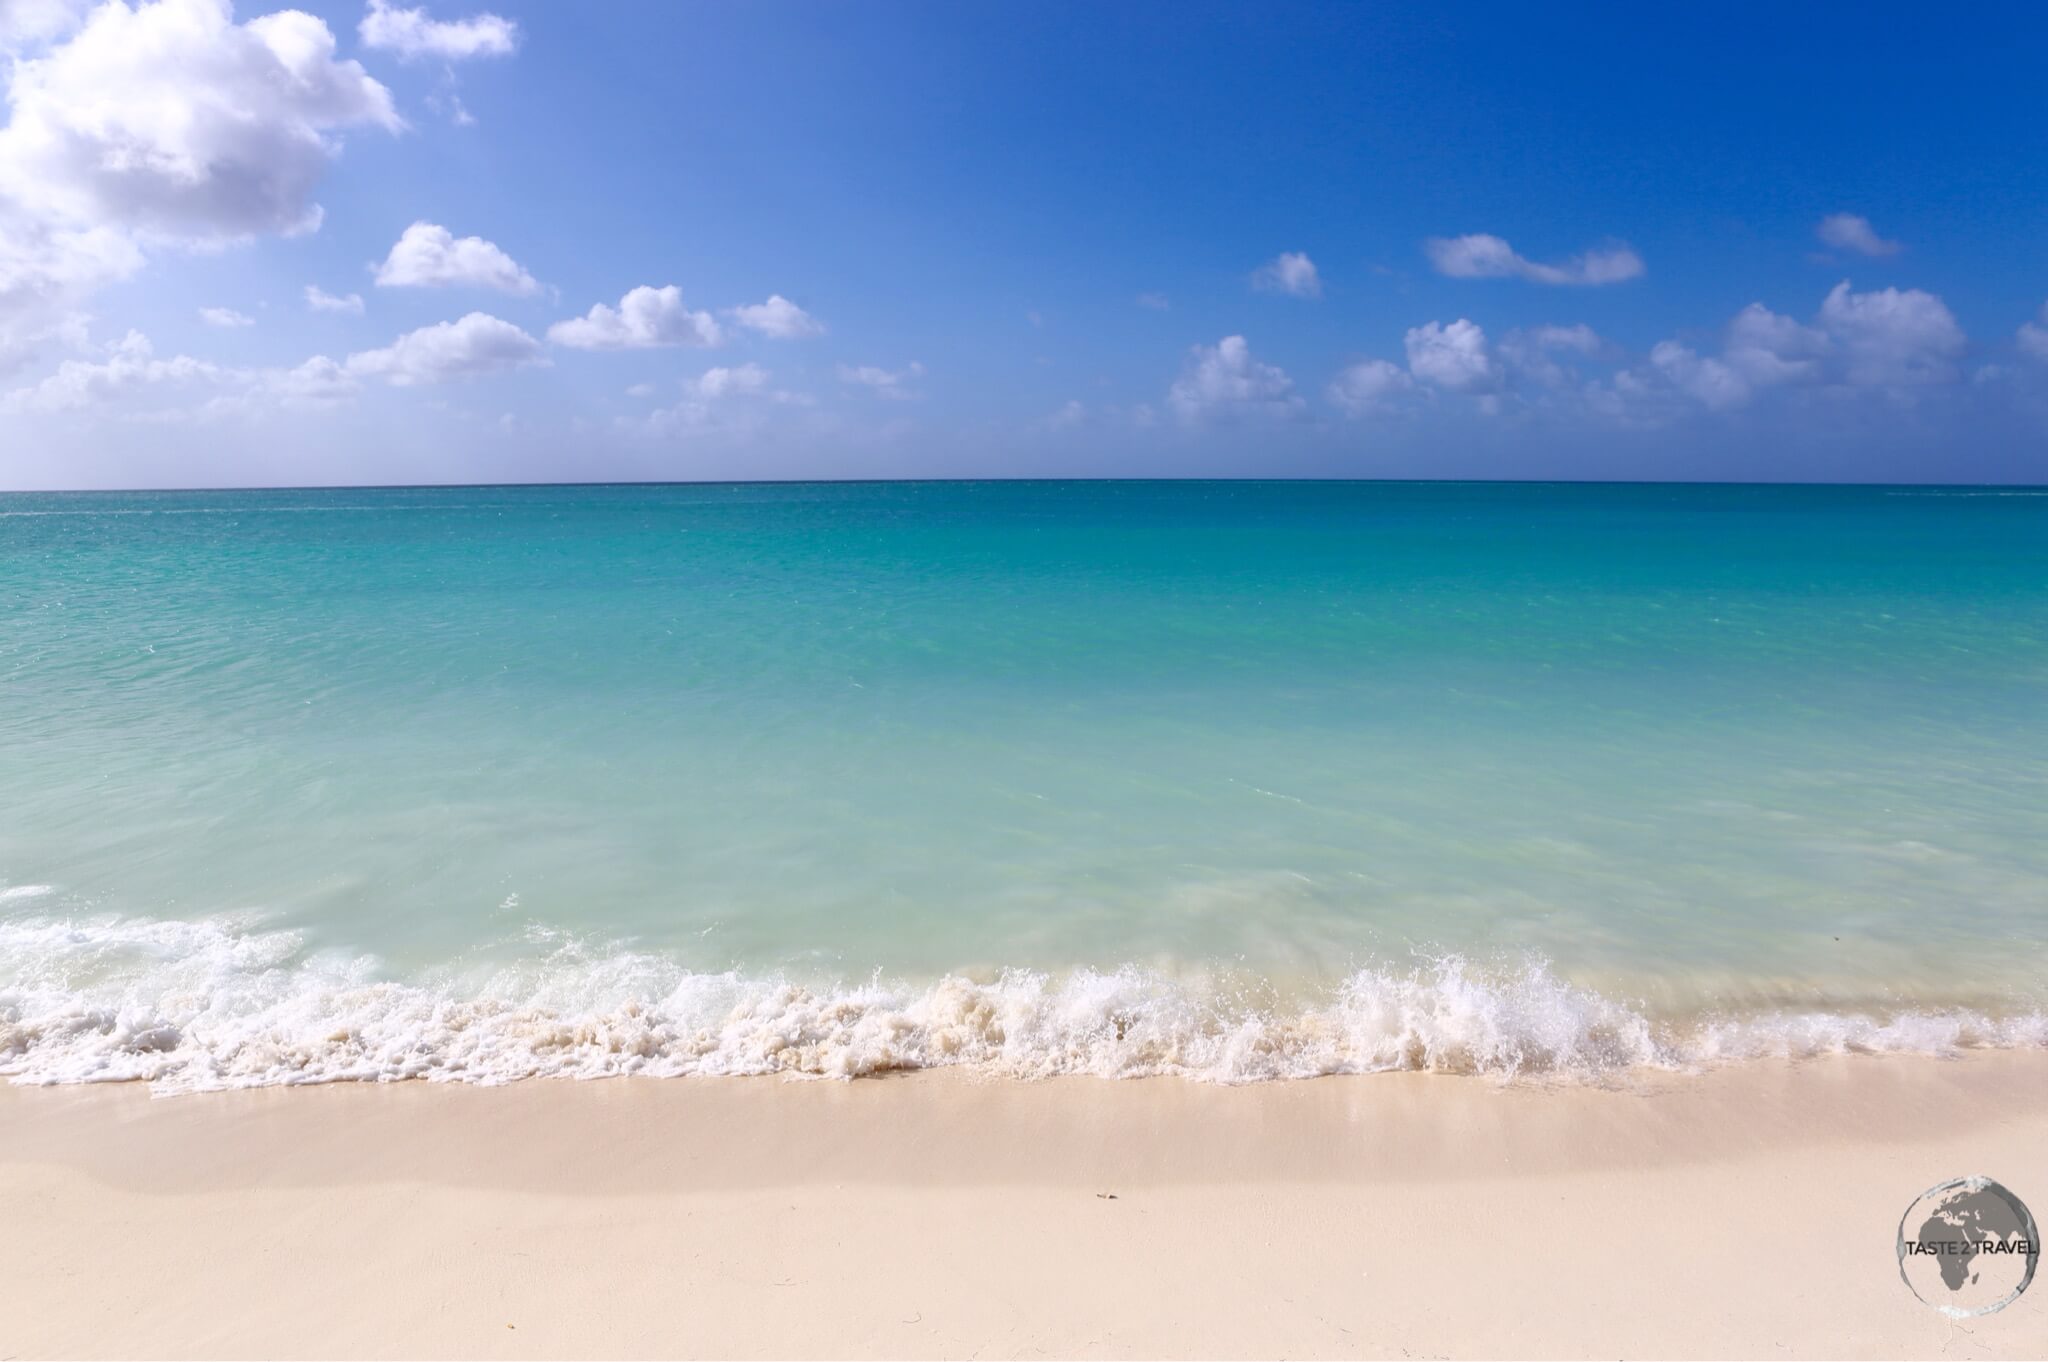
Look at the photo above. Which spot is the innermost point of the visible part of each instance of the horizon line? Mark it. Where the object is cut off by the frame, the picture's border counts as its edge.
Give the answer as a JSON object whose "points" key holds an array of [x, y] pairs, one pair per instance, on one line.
{"points": [[963, 481]]}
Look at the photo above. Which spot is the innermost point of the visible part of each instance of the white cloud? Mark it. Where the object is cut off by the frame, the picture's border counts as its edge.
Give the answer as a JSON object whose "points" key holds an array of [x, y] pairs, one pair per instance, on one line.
{"points": [[165, 124], [428, 255], [1890, 341], [1481, 256], [1454, 357], [320, 300], [319, 381], [742, 380], [778, 319], [1767, 348], [1709, 381], [1224, 381], [225, 317], [130, 364], [172, 121], [646, 318], [1070, 414], [410, 34], [1290, 272], [47, 273], [1893, 338], [475, 344], [2033, 336], [1580, 337], [1761, 349], [1530, 352], [24, 23], [708, 399], [1155, 302], [1848, 232], [121, 383], [1369, 385], [889, 383]]}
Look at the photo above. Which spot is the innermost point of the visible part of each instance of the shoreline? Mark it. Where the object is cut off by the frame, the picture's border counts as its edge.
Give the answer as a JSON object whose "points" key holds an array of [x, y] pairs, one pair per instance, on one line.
{"points": [[224, 1003], [1742, 1210]]}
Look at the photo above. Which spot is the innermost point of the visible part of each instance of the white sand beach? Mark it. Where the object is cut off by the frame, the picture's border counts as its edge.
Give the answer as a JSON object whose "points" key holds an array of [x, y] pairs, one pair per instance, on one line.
{"points": [[1748, 1211]]}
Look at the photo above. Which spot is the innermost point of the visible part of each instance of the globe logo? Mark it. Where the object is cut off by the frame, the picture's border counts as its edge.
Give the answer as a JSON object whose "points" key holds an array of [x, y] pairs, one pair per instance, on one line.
{"points": [[1968, 1247]]}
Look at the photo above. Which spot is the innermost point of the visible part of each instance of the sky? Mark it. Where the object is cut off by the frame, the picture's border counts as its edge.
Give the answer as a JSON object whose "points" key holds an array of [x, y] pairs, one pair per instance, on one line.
{"points": [[386, 243]]}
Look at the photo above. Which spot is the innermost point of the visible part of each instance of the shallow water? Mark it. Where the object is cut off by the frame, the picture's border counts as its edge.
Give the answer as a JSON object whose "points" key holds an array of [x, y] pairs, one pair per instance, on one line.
{"points": [[1232, 779]]}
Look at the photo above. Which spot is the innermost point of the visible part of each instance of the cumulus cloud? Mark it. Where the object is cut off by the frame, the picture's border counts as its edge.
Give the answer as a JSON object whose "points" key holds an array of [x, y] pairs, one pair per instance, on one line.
{"points": [[719, 381], [225, 317], [409, 34], [46, 274], [1579, 337], [319, 381], [130, 364], [646, 318], [1369, 385], [320, 300], [1889, 341], [2033, 336], [1849, 232], [778, 319], [476, 344], [1709, 381], [1767, 348], [1532, 352], [710, 398], [121, 379], [889, 383], [1454, 357], [428, 255], [127, 381], [171, 120], [1893, 338], [165, 124], [1482, 256], [1290, 272], [24, 23], [1225, 382]]}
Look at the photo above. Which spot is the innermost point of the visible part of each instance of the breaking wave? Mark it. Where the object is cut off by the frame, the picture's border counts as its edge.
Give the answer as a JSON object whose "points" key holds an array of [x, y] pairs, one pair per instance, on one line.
{"points": [[193, 1006]]}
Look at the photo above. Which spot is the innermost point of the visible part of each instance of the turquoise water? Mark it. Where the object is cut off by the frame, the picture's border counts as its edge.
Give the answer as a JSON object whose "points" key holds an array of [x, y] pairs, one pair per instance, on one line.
{"points": [[1229, 779]]}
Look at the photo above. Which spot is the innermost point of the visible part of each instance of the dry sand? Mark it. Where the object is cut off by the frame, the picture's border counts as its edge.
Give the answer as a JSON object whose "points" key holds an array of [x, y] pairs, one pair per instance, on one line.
{"points": [[1746, 1212]]}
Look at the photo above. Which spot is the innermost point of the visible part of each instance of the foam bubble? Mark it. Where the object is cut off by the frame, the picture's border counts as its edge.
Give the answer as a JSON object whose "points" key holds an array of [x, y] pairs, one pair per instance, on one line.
{"points": [[221, 1003]]}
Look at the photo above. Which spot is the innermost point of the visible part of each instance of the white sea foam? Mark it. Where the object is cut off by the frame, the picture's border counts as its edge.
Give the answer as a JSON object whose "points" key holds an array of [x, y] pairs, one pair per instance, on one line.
{"points": [[188, 1006]]}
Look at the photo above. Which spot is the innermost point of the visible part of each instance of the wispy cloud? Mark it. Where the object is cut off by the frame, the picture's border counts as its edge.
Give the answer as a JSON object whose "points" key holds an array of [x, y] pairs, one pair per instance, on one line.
{"points": [[1291, 273], [890, 383], [1849, 232], [1483, 256]]}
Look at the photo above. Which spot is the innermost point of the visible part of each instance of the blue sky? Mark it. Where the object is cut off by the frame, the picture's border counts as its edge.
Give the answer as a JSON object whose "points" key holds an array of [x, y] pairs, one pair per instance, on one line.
{"points": [[885, 240]]}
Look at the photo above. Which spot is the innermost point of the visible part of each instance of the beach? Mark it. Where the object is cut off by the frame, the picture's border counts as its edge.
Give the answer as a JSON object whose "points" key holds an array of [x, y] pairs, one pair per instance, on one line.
{"points": [[1748, 1210], [897, 680]]}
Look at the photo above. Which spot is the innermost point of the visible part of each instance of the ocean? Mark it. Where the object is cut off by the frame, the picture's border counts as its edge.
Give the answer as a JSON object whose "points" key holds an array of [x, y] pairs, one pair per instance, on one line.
{"points": [[1231, 780]]}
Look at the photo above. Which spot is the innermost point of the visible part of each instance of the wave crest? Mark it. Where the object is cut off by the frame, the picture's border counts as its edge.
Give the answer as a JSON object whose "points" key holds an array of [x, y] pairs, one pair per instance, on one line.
{"points": [[192, 1006]]}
